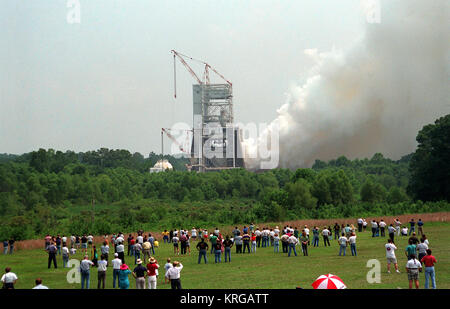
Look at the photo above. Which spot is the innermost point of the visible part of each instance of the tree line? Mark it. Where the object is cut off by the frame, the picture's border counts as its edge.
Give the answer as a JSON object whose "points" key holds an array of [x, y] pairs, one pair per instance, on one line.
{"points": [[101, 191]]}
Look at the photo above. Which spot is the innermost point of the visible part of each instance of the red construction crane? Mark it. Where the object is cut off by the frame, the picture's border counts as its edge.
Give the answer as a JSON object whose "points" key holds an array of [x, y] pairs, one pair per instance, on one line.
{"points": [[173, 139], [205, 80]]}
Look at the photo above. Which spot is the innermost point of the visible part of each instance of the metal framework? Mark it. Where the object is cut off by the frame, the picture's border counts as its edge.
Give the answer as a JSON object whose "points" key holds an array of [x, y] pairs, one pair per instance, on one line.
{"points": [[216, 142]]}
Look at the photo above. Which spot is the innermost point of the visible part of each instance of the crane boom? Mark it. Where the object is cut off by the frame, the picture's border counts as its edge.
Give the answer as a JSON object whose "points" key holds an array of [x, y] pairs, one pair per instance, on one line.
{"points": [[173, 139], [206, 79]]}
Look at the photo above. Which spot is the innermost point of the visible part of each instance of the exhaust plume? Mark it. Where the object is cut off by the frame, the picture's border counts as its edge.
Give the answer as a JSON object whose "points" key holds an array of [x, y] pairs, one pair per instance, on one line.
{"points": [[373, 97]]}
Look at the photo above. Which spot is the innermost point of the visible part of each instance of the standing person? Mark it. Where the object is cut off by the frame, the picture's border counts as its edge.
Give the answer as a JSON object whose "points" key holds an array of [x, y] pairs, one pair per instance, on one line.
{"points": [[152, 268], [85, 267], [11, 245], [382, 228], [116, 263], [84, 244], [420, 226], [124, 272], [374, 228], [213, 240], [410, 250], [146, 250], [129, 245], [342, 244], [228, 243], [90, 240], [306, 229], [336, 230], [139, 273], [304, 240], [217, 252], [170, 235], [5, 246], [137, 252], [120, 248], [246, 241], [9, 279], [412, 225], [364, 224], [65, 255], [315, 236], [391, 231], [194, 234], [360, 224], [47, 240], [429, 262], [390, 256], [202, 247], [422, 249], [77, 242], [94, 255], [58, 244], [101, 273], [72, 240], [175, 240], [413, 267], [104, 249], [238, 242], [352, 242], [325, 233], [258, 237], [183, 240], [165, 235], [174, 275], [398, 224], [285, 242], [52, 250], [414, 239], [293, 241], [169, 265], [276, 243]]}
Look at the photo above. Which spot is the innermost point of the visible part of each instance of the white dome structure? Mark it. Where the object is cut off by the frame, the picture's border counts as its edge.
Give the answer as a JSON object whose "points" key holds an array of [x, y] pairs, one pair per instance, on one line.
{"points": [[161, 166]]}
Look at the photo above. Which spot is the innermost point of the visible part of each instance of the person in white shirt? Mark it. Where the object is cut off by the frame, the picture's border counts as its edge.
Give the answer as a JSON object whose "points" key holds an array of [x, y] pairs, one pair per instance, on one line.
{"points": [[390, 256], [140, 239], [65, 255], [364, 224], [352, 242], [39, 285], [374, 228], [85, 267], [102, 266], [194, 233], [342, 244], [64, 240], [306, 229], [398, 224], [360, 224], [405, 231], [174, 275], [382, 227], [422, 249], [116, 268], [413, 267], [120, 249], [293, 241], [9, 278], [72, 240], [325, 234]]}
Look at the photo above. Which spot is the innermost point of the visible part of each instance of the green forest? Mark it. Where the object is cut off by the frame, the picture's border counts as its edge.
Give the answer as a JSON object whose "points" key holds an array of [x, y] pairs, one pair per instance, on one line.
{"points": [[104, 191]]}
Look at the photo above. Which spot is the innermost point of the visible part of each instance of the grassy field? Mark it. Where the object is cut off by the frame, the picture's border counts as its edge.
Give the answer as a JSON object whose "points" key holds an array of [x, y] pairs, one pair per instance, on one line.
{"points": [[264, 269]]}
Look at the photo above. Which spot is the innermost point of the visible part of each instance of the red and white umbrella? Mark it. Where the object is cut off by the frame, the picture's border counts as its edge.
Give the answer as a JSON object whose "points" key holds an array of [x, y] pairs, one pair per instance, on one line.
{"points": [[329, 282]]}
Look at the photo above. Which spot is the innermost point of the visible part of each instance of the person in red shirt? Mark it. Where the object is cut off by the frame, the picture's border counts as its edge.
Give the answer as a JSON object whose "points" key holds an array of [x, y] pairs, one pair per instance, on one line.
{"points": [[429, 262], [152, 266]]}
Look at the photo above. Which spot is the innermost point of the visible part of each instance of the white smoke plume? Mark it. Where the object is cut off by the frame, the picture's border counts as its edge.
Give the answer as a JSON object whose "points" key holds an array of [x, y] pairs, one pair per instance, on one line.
{"points": [[376, 95]]}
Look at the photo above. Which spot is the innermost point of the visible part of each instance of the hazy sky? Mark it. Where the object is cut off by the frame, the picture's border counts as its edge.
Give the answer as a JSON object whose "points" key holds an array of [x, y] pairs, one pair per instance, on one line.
{"points": [[108, 81]]}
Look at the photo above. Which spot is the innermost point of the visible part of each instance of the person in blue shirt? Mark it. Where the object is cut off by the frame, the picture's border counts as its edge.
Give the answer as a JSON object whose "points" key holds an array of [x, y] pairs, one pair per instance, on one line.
{"points": [[124, 272], [420, 225], [412, 226]]}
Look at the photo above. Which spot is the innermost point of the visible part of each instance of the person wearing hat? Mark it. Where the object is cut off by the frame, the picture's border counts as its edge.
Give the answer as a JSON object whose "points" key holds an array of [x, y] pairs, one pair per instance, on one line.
{"points": [[116, 268], [124, 272], [174, 275], [152, 268], [139, 273]]}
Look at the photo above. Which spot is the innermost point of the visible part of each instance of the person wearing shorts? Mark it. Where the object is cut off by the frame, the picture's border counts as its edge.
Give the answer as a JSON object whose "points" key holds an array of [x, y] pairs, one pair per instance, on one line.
{"points": [[176, 249], [390, 256], [413, 267]]}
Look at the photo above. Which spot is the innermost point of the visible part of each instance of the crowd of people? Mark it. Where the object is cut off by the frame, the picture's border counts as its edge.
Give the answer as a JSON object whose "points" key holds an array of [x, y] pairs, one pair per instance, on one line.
{"points": [[141, 250]]}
